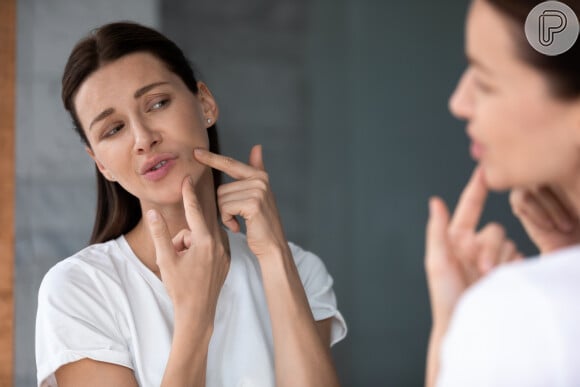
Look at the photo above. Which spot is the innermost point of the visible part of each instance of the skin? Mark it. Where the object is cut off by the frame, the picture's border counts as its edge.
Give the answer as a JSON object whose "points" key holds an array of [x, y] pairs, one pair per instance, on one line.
{"points": [[180, 238], [523, 136]]}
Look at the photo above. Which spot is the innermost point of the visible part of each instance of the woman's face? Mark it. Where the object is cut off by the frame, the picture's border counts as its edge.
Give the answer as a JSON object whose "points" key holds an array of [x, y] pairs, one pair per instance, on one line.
{"points": [[142, 123], [521, 134]]}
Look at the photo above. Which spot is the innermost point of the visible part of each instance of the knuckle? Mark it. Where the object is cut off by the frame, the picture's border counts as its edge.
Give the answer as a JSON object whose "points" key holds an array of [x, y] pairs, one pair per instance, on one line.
{"points": [[263, 176], [258, 195], [254, 205], [262, 184]]}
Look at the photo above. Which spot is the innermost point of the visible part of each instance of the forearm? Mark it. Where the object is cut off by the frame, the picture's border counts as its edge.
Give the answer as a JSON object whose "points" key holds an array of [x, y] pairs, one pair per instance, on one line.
{"points": [[301, 356], [187, 361]]}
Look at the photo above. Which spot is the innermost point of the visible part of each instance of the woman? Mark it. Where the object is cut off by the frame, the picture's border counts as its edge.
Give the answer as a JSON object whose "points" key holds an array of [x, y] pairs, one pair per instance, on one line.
{"points": [[171, 298], [518, 326]]}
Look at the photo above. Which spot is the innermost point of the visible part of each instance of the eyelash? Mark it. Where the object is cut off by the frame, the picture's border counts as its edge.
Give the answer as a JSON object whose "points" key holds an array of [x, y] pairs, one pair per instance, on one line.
{"points": [[113, 131], [163, 103]]}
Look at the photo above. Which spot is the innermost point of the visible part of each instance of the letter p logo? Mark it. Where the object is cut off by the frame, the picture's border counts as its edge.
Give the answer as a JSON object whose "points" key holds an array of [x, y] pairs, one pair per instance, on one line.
{"points": [[552, 27], [552, 22]]}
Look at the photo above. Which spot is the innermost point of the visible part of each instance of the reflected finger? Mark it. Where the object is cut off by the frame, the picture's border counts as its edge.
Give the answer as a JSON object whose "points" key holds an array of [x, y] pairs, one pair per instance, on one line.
{"points": [[470, 204], [526, 206], [556, 210]]}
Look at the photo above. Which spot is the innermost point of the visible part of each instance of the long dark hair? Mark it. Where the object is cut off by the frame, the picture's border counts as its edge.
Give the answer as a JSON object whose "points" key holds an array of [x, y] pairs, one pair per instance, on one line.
{"points": [[562, 71], [118, 211]]}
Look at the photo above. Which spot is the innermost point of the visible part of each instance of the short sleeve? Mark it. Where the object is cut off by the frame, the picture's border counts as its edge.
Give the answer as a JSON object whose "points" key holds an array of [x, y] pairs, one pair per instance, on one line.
{"points": [[317, 284], [502, 334], [75, 321]]}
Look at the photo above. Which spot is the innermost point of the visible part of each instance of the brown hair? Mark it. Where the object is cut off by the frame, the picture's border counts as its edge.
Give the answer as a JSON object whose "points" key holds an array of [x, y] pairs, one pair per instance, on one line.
{"points": [[562, 70], [118, 211]]}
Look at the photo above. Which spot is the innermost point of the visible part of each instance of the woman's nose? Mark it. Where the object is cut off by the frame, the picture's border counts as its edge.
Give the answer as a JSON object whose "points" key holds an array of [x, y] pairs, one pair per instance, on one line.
{"points": [[145, 137], [462, 100]]}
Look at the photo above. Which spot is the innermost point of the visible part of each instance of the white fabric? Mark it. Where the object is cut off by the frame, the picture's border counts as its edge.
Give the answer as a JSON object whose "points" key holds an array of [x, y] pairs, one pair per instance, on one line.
{"points": [[520, 326], [104, 304]]}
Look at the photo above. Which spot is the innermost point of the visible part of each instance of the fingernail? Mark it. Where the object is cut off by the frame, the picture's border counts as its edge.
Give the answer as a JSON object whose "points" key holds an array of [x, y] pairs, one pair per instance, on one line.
{"points": [[198, 151], [152, 215]]}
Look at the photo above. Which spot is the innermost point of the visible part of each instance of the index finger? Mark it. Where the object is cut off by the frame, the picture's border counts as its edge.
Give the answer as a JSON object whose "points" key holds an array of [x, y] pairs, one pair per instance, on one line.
{"points": [[160, 235], [193, 211], [233, 168], [471, 202]]}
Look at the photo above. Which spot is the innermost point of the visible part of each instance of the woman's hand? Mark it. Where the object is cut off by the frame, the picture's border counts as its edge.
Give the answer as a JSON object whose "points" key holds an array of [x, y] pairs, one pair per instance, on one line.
{"points": [[457, 255], [194, 264], [550, 222], [301, 353], [251, 198]]}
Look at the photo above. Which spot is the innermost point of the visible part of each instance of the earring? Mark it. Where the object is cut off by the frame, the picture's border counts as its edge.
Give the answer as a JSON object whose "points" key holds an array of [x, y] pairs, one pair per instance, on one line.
{"points": [[209, 120]]}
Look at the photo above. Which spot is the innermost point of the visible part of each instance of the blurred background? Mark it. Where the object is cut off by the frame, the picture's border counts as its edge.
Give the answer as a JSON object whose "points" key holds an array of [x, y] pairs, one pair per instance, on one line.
{"points": [[348, 98]]}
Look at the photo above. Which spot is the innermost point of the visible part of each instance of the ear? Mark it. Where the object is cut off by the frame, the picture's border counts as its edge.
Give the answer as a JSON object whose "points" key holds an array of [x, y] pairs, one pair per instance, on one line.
{"points": [[104, 171], [209, 106]]}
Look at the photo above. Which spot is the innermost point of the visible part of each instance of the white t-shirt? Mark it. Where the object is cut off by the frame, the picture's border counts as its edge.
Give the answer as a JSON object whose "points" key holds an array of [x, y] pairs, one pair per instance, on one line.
{"points": [[520, 326], [104, 304]]}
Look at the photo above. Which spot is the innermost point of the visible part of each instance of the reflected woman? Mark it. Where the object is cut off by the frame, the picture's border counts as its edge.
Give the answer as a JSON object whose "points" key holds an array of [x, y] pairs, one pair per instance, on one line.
{"points": [[518, 326]]}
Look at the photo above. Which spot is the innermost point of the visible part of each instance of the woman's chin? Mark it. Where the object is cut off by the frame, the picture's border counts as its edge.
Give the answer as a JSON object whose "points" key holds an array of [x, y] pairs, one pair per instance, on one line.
{"points": [[496, 180]]}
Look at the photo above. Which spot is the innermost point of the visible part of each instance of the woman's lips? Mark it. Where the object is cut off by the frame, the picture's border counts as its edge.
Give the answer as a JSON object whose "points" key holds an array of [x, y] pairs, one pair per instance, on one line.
{"points": [[160, 170], [476, 150]]}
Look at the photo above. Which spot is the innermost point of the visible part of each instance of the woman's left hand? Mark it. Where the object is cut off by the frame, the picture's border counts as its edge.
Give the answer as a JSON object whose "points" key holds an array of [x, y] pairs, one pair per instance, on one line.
{"points": [[251, 198]]}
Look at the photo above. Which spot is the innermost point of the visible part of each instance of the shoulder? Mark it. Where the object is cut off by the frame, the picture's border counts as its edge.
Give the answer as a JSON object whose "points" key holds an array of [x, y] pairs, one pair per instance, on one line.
{"points": [[512, 326], [528, 284], [95, 263]]}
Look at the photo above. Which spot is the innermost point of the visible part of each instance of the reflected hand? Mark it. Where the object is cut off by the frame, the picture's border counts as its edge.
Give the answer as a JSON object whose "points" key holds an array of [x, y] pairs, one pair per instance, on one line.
{"points": [[456, 254], [550, 222]]}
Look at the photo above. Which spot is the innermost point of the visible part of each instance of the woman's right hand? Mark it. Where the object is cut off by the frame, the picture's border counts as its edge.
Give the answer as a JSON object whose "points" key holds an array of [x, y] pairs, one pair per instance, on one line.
{"points": [[194, 264], [550, 222]]}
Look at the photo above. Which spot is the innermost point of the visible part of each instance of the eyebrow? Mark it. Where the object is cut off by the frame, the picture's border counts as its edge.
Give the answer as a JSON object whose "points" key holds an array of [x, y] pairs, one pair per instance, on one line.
{"points": [[145, 89], [139, 93]]}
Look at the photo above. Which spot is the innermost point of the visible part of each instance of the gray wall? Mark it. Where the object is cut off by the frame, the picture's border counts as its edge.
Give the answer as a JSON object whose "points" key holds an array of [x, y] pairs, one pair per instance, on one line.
{"points": [[349, 99]]}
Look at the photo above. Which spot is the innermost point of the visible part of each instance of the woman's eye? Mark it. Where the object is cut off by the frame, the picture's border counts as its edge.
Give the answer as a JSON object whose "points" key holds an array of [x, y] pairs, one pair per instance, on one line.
{"points": [[113, 131], [482, 86], [159, 104]]}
